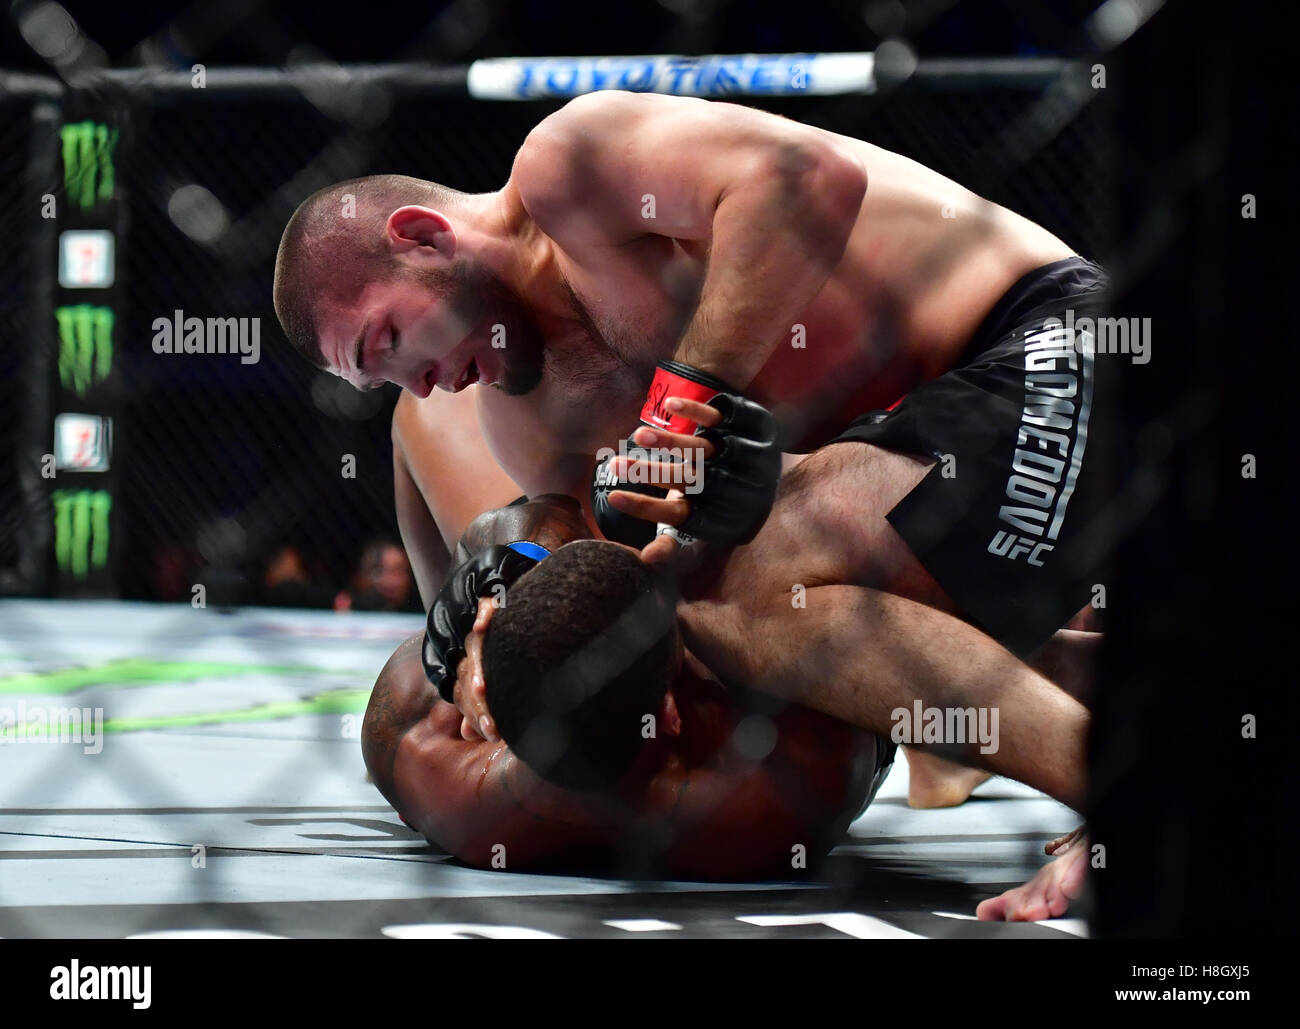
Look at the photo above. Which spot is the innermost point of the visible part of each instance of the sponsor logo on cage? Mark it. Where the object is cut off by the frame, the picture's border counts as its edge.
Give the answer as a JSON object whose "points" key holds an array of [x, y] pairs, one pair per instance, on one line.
{"points": [[89, 177], [102, 982], [710, 75], [39, 724], [85, 345], [1051, 441], [82, 442], [193, 335], [81, 531], [920, 724], [87, 259]]}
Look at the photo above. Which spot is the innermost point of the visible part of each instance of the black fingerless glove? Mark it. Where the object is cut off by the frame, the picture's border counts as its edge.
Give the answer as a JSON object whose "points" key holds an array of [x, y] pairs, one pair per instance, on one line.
{"points": [[617, 525], [739, 482], [451, 617]]}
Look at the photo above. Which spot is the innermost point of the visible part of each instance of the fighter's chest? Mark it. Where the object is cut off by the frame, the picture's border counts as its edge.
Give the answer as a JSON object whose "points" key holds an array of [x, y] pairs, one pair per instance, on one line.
{"points": [[546, 440], [636, 300]]}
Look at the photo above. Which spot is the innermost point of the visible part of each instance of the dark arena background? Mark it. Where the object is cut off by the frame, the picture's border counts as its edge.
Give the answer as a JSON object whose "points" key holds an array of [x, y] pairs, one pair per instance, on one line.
{"points": [[205, 549]]}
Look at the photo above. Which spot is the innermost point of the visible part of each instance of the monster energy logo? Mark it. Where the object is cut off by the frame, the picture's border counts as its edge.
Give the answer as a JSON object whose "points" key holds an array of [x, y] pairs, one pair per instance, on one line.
{"points": [[88, 162], [81, 530], [85, 345]]}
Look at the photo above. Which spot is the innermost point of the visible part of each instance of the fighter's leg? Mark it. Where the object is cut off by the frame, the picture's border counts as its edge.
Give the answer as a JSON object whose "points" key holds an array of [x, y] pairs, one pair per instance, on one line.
{"points": [[829, 490], [852, 653], [834, 502], [829, 525], [830, 513], [1067, 659], [838, 498]]}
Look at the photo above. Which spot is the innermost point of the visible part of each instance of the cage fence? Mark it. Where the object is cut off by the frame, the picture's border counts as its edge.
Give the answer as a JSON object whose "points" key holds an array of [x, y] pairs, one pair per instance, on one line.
{"points": [[218, 463]]}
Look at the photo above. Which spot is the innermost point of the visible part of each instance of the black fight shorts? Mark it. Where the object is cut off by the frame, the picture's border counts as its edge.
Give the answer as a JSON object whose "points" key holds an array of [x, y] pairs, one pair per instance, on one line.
{"points": [[1000, 520]]}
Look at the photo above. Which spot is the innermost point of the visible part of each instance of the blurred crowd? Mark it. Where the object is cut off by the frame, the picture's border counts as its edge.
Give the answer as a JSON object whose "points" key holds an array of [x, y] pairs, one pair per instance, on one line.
{"points": [[289, 575]]}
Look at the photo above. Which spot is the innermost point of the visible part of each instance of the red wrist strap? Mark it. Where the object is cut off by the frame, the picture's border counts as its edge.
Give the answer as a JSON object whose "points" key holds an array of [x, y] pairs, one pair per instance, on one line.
{"points": [[670, 382]]}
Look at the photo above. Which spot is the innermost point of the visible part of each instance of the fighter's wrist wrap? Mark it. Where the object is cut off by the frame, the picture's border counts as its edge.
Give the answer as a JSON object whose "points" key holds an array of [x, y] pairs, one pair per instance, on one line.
{"points": [[738, 483]]}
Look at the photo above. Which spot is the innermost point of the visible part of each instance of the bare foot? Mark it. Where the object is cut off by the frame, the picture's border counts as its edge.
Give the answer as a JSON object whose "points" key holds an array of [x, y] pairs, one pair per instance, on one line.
{"points": [[1063, 843], [1047, 894], [935, 782]]}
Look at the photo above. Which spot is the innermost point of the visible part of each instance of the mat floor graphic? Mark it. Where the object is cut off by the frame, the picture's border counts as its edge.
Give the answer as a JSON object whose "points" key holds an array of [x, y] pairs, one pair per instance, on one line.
{"points": [[229, 797]]}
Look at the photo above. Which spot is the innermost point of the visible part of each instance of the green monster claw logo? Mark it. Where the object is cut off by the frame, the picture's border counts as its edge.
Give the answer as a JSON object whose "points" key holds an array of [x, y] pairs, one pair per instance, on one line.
{"points": [[81, 530], [88, 175], [85, 345]]}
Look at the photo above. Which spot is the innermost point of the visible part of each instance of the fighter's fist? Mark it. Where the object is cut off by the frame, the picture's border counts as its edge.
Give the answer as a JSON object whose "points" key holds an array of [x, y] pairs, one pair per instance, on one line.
{"points": [[741, 467]]}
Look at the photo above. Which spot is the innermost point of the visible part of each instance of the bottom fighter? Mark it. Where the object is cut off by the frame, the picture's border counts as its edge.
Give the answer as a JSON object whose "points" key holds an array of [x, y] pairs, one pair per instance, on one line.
{"points": [[682, 778], [622, 747]]}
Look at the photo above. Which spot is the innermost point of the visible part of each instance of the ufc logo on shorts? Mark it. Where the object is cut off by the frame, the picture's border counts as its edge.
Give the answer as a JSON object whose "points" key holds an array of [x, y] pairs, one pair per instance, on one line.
{"points": [[1009, 545]]}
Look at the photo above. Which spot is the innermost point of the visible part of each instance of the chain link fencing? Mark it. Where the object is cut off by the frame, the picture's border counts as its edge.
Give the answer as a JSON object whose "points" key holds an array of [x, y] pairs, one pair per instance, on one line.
{"points": [[221, 463], [218, 465]]}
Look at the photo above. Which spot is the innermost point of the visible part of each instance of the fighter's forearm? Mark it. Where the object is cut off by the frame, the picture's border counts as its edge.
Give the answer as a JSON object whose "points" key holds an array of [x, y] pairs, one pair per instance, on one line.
{"points": [[862, 656], [424, 545], [777, 236]]}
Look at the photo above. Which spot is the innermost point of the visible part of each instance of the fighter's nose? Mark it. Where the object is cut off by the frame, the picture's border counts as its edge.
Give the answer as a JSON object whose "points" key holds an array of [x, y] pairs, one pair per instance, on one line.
{"points": [[421, 382]]}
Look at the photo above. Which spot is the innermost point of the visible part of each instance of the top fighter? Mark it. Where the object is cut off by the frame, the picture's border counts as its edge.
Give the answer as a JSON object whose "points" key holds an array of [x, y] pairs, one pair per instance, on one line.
{"points": [[822, 276]]}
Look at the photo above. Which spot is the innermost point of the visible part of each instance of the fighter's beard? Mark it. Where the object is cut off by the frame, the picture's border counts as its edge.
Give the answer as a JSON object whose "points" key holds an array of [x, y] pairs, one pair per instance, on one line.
{"points": [[523, 359], [523, 351]]}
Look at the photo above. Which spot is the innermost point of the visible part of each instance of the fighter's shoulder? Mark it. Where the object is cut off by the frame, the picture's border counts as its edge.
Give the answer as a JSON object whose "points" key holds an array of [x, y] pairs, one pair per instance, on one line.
{"points": [[573, 137], [606, 109], [570, 171], [401, 697]]}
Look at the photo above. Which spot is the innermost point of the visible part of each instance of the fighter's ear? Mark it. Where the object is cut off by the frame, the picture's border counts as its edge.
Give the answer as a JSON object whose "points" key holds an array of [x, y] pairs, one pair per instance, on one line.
{"points": [[413, 226]]}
